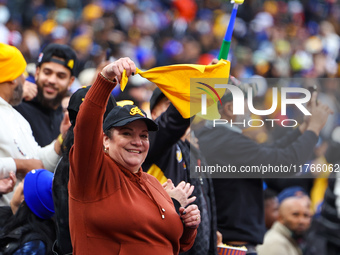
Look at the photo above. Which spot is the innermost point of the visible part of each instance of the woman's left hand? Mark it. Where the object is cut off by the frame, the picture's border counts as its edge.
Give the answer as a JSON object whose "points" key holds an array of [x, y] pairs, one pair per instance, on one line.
{"points": [[191, 216], [116, 69]]}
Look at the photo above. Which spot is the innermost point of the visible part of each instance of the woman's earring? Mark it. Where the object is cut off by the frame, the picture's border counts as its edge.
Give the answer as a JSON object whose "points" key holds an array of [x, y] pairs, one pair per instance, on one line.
{"points": [[106, 150]]}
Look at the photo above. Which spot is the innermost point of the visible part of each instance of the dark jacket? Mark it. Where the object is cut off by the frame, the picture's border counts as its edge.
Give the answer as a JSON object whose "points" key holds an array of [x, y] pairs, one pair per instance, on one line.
{"points": [[324, 234], [45, 122], [170, 158], [165, 156], [239, 202], [329, 215], [63, 243], [205, 200], [25, 234]]}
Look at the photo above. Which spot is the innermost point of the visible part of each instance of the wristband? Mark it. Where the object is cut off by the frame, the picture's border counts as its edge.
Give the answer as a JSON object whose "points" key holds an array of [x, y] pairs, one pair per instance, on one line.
{"points": [[114, 80], [60, 139]]}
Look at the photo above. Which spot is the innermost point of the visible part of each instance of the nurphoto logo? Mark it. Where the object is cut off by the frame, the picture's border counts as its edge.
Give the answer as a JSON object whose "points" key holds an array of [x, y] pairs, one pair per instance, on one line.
{"points": [[243, 95]]}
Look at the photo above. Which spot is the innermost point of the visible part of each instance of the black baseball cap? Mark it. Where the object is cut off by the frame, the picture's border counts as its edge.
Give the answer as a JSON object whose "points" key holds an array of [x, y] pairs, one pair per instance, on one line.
{"points": [[157, 95], [122, 115], [76, 100], [66, 56]]}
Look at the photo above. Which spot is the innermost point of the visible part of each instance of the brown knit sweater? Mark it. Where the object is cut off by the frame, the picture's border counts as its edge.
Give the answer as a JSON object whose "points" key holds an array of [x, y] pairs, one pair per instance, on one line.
{"points": [[112, 210]]}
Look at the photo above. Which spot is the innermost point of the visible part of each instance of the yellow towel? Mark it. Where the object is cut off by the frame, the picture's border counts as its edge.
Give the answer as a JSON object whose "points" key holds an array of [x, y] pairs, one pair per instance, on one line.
{"points": [[174, 82]]}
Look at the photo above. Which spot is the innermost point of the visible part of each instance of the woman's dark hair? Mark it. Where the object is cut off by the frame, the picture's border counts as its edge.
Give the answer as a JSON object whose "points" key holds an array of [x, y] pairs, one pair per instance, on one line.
{"points": [[42, 228], [60, 196], [109, 132], [63, 165]]}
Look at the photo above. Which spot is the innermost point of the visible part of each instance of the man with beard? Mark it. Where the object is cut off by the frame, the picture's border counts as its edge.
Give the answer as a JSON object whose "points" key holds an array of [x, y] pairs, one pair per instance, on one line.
{"points": [[293, 222], [19, 152], [54, 76]]}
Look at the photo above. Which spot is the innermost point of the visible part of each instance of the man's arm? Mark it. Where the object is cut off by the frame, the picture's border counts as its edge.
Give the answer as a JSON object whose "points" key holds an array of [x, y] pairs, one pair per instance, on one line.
{"points": [[48, 159], [18, 166], [297, 151], [50, 154], [23, 166], [172, 127], [313, 123]]}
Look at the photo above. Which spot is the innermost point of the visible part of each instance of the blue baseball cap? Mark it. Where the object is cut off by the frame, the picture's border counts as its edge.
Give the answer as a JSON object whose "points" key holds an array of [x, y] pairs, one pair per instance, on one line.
{"points": [[38, 193], [294, 191]]}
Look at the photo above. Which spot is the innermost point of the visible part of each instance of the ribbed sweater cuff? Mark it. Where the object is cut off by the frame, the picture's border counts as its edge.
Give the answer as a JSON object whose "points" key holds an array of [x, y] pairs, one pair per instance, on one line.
{"points": [[188, 235], [100, 90]]}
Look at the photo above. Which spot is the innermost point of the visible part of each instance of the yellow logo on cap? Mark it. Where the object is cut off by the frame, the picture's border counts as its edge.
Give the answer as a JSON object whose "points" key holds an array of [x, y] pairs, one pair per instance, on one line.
{"points": [[136, 110], [125, 102], [70, 63]]}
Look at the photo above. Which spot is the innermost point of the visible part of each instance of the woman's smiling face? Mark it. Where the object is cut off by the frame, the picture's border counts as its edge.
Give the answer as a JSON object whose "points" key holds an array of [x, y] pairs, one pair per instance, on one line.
{"points": [[128, 145]]}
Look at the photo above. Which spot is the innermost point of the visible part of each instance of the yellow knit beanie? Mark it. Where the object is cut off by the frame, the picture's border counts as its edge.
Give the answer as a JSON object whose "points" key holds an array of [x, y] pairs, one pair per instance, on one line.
{"points": [[12, 63]]}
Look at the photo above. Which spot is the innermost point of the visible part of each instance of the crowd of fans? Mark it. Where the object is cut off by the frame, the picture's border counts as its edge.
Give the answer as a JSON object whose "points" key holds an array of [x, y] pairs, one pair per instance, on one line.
{"points": [[271, 38]]}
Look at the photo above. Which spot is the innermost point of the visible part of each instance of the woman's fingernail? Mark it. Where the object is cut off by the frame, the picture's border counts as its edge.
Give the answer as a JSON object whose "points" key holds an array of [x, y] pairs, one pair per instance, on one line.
{"points": [[184, 212]]}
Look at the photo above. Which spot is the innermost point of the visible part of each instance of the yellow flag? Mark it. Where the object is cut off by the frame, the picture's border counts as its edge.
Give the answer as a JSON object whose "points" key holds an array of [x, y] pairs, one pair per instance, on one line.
{"points": [[174, 82]]}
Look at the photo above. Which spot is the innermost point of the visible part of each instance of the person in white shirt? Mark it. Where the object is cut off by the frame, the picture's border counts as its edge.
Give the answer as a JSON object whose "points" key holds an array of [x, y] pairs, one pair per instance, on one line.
{"points": [[19, 152]]}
